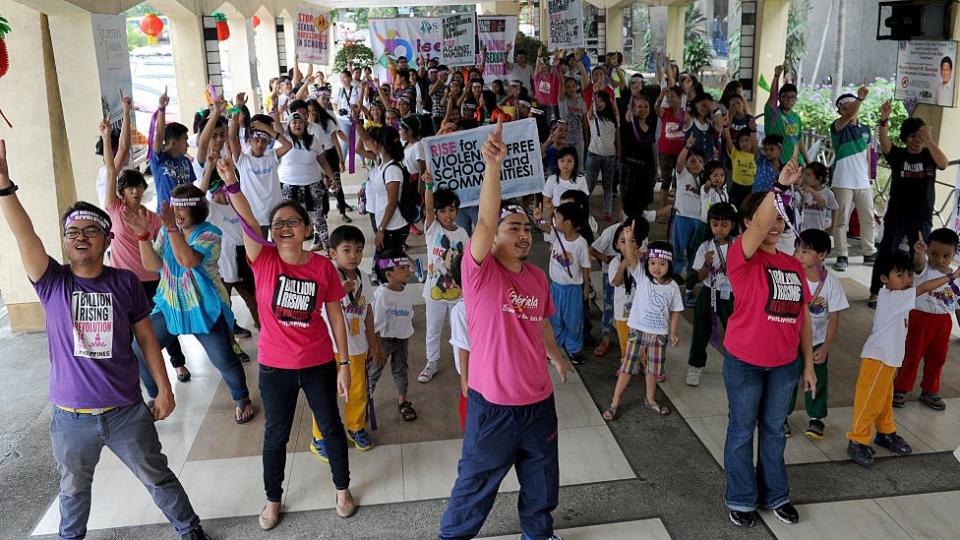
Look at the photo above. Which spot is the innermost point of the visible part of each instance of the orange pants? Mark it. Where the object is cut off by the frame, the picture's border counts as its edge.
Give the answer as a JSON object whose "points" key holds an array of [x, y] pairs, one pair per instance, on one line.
{"points": [[622, 331], [355, 409], [873, 401]]}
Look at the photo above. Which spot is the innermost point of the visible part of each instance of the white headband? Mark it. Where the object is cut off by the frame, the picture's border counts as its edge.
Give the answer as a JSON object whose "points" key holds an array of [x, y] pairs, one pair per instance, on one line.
{"points": [[77, 215]]}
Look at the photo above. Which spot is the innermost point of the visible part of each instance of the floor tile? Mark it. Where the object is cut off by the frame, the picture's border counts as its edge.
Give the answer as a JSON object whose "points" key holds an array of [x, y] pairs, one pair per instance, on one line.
{"points": [[931, 515], [712, 431], [376, 477], [429, 468], [938, 429], [591, 454], [648, 529], [841, 519], [834, 442], [227, 487], [575, 407]]}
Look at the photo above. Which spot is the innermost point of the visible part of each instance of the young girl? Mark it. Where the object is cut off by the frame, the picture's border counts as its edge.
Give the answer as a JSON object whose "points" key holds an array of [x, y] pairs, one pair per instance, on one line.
{"points": [[654, 319], [687, 229], [716, 296], [713, 190], [620, 276], [603, 152], [301, 174], [567, 177]]}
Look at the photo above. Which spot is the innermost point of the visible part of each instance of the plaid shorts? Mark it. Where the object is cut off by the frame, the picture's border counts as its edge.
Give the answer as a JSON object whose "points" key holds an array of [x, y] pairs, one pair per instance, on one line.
{"points": [[646, 353]]}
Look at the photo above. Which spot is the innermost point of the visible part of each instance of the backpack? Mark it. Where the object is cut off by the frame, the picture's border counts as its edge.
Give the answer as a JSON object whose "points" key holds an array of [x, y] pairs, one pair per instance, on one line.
{"points": [[409, 202]]}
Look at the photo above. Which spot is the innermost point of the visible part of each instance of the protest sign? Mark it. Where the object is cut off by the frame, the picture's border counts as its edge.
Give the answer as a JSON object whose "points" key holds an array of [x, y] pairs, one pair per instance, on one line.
{"points": [[456, 162], [565, 24], [459, 40], [312, 37], [113, 63], [926, 72], [406, 36], [495, 33]]}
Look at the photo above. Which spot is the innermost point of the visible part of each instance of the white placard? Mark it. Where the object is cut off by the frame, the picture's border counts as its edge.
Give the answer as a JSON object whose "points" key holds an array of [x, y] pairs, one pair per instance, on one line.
{"points": [[459, 40], [312, 36], [495, 33], [565, 24], [113, 62], [926, 72]]}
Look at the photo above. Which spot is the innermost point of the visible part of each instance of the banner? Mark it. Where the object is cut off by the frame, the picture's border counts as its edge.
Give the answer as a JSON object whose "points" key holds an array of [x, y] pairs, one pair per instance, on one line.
{"points": [[926, 72], [312, 37], [495, 33], [113, 63], [456, 163], [565, 30], [459, 40], [407, 36]]}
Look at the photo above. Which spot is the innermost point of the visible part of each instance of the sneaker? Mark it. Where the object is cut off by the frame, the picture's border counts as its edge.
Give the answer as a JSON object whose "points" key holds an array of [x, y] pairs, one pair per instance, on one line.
{"points": [[319, 450], [345, 218], [196, 534], [893, 443], [577, 358], [690, 299], [934, 401], [743, 519], [786, 429], [241, 332], [841, 264], [241, 354], [868, 260], [428, 372], [815, 429], [361, 439], [787, 513], [899, 399], [861, 454], [693, 376]]}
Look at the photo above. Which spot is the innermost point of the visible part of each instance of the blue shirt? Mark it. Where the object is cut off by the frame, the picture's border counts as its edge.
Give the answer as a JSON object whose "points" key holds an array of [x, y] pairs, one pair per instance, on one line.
{"points": [[766, 175], [168, 173]]}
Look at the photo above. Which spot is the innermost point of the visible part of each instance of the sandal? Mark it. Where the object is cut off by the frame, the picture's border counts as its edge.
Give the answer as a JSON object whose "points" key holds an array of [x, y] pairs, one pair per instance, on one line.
{"points": [[662, 410], [602, 348], [611, 414], [246, 413], [407, 412]]}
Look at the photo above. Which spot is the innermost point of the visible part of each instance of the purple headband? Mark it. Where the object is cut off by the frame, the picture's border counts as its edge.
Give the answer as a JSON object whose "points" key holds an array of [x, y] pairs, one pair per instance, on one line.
{"points": [[185, 202], [660, 254], [398, 262], [77, 215]]}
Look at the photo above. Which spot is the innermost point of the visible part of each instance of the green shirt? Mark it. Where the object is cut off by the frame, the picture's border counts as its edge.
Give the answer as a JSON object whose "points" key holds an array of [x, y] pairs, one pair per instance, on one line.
{"points": [[789, 126]]}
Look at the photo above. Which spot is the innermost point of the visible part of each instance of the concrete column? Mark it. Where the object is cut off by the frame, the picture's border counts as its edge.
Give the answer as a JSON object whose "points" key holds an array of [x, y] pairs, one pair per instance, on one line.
{"points": [[499, 7], [238, 47], [267, 55], [615, 28], [769, 45], [544, 21], [189, 61], [676, 21]]}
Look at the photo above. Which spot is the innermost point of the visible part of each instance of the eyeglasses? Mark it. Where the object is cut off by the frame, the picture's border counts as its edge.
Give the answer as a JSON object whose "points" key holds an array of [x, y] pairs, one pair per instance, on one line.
{"points": [[88, 232], [292, 223]]}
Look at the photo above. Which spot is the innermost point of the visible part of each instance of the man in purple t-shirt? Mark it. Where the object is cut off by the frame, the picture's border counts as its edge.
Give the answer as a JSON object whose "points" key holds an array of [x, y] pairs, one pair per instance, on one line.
{"points": [[510, 396], [92, 314]]}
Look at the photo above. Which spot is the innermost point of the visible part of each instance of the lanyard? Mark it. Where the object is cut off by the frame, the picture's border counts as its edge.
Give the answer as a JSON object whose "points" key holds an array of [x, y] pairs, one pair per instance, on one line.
{"points": [[566, 256], [713, 275], [359, 291]]}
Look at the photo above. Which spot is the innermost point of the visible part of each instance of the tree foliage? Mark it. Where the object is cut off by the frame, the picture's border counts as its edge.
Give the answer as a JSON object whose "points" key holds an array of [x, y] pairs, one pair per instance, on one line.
{"points": [[529, 45], [356, 55]]}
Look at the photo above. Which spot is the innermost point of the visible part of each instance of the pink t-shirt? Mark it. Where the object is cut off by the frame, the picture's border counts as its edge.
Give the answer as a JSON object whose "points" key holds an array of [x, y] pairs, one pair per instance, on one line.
{"points": [[505, 311], [291, 299], [771, 295], [125, 248]]}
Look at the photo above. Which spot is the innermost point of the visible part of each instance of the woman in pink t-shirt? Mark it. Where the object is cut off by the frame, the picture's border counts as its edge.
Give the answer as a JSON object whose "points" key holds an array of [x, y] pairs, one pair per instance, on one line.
{"points": [[768, 327], [294, 287]]}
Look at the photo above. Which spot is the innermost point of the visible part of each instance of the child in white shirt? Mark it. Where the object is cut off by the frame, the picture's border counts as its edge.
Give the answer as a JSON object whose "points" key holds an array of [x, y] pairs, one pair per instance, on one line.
{"points": [[687, 229], [568, 177], [819, 203], [620, 276], [393, 322], [713, 190], [460, 340]]}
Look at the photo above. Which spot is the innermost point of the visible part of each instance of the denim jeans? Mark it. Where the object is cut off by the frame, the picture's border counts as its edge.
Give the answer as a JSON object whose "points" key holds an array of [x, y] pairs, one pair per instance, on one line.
{"points": [[758, 399], [896, 228], [218, 344], [498, 437], [279, 389], [604, 165], [128, 431], [686, 234]]}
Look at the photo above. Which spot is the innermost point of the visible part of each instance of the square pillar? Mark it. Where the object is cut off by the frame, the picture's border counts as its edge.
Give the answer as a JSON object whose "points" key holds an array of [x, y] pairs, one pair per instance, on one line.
{"points": [[499, 7], [763, 45], [240, 47], [676, 28], [190, 57], [267, 53]]}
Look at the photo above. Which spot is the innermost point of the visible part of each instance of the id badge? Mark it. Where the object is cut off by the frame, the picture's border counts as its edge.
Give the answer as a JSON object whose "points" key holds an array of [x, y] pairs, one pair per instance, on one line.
{"points": [[354, 327], [725, 293]]}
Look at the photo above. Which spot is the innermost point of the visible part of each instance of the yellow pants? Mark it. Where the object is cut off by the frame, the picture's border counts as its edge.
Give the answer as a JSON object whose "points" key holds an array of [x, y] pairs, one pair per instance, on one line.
{"points": [[622, 331], [873, 401], [355, 410]]}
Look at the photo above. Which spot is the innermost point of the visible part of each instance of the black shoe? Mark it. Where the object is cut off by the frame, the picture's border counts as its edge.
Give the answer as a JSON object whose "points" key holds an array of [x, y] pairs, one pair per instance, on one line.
{"points": [[577, 358], [241, 332], [815, 430], [345, 218], [869, 259], [787, 513], [861, 454], [183, 376], [787, 432], [934, 401], [196, 534], [899, 399], [743, 519], [893, 443]]}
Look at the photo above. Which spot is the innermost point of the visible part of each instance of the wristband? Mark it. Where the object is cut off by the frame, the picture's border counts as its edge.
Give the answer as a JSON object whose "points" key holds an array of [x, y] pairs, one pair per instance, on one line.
{"points": [[145, 237], [779, 188], [429, 186], [343, 363], [10, 190], [173, 229], [233, 188]]}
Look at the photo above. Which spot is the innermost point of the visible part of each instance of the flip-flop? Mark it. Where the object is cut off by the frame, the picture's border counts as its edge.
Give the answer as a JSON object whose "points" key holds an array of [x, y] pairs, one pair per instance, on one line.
{"points": [[612, 412], [662, 410], [240, 418], [601, 349]]}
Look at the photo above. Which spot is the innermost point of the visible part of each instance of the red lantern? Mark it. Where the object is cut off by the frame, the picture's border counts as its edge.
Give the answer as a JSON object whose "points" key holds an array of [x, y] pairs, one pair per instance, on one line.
{"points": [[151, 26], [223, 29], [256, 21]]}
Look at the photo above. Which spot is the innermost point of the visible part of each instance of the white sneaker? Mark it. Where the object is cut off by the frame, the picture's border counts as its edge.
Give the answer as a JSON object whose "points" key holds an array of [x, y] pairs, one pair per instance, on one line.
{"points": [[428, 372], [693, 376]]}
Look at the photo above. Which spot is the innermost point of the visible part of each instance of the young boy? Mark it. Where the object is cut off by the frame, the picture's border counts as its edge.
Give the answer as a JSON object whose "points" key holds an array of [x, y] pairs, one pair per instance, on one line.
{"points": [[819, 203], [742, 149], [169, 162], [928, 335], [445, 240], [825, 305], [346, 250], [688, 228], [393, 322], [569, 276], [768, 165], [882, 355]]}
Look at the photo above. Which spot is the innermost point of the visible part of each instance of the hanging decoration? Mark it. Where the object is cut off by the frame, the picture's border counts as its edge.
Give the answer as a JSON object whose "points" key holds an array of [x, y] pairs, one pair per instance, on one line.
{"points": [[151, 26], [223, 29], [256, 21], [4, 58]]}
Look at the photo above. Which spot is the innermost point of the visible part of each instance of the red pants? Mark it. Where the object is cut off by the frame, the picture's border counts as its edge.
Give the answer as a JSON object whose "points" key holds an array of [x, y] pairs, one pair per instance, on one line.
{"points": [[928, 337]]}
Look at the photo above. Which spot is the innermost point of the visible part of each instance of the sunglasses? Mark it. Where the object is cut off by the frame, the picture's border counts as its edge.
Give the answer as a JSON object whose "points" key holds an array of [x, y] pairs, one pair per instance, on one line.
{"points": [[88, 232], [292, 223]]}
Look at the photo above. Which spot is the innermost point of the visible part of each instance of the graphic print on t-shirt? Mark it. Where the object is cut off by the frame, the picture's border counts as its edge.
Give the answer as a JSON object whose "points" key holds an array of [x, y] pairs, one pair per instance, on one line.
{"points": [[294, 300], [92, 324], [657, 312], [443, 253], [518, 304], [784, 295]]}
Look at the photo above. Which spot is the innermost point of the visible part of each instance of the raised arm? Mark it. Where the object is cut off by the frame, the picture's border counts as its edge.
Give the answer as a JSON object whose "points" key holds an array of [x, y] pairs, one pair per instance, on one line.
{"points": [[233, 136], [238, 200], [494, 151], [938, 156], [186, 256], [428, 208], [161, 123], [109, 164], [32, 253], [203, 141], [851, 112], [766, 215], [126, 136], [775, 87], [136, 220], [885, 144]]}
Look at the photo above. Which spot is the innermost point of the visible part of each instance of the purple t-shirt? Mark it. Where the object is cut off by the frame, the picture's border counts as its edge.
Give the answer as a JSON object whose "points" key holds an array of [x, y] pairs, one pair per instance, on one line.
{"points": [[90, 331]]}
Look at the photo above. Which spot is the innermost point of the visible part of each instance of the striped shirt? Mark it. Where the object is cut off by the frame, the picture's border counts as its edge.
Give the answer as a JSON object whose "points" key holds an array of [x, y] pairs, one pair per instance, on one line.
{"points": [[851, 167]]}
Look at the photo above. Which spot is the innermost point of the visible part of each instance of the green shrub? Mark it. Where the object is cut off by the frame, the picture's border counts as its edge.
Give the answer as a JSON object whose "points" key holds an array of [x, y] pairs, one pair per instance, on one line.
{"points": [[817, 109], [697, 55], [529, 45], [357, 54]]}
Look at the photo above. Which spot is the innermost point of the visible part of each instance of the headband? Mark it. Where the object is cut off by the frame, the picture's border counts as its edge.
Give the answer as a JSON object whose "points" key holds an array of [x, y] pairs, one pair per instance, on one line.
{"points": [[399, 262], [185, 202], [536, 111], [257, 134], [469, 106], [510, 210], [516, 82], [77, 215], [296, 116], [637, 77], [845, 98], [660, 254], [523, 103]]}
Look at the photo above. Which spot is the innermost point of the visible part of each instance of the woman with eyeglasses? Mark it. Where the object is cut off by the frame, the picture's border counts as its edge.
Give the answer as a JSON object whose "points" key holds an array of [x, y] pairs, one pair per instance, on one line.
{"points": [[294, 287], [301, 174]]}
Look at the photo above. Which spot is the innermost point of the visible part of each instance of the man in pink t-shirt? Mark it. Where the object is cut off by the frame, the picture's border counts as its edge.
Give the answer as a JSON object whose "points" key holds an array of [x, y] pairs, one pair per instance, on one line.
{"points": [[510, 397]]}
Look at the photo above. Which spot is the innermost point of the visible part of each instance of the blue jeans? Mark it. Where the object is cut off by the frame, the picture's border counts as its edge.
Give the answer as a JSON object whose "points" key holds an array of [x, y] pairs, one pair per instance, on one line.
{"points": [[279, 389], [605, 165], [496, 438], [758, 399], [896, 227], [129, 432], [467, 218], [567, 320], [606, 320], [218, 344], [685, 237]]}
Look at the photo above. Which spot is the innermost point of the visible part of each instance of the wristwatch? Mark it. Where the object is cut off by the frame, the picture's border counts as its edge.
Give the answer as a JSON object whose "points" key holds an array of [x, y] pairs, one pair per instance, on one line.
{"points": [[343, 363], [9, 190]]}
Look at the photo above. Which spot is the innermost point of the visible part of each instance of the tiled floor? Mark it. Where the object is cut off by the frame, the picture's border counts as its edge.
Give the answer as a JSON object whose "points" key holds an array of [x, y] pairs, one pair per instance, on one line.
{"points": [[648, 529]]}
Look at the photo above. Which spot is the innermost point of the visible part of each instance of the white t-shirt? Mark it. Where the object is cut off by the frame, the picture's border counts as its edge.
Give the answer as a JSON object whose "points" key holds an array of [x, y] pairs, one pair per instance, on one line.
{"points": [[442, 246], [622, 300], [816, 216], [379, 177], [709, 198], [941, 300], [299, 166], [392, 313], [226, 219], [604, 244], [260, 183], [411, 154], [517, 73], [344, 97], [653, 304], [831, 299], [888, 337], [603, 136], [459, 338], [688, 195], [555, 187], [354, 315], [567, 259], [718, 279], [328, 134]]}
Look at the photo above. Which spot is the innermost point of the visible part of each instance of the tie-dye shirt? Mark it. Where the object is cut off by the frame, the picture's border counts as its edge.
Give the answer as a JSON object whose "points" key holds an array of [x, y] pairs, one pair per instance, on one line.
{"points": [[192, 299]]}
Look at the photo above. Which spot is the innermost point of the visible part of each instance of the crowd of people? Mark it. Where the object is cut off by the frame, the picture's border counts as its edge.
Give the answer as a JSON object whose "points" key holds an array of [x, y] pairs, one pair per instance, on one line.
{"points": [[242, 204]]}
